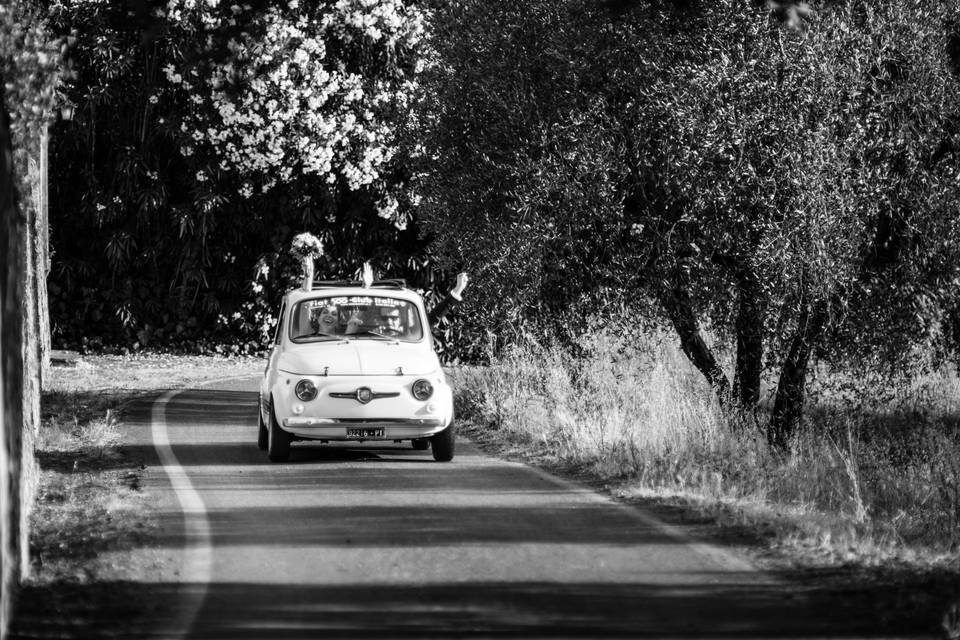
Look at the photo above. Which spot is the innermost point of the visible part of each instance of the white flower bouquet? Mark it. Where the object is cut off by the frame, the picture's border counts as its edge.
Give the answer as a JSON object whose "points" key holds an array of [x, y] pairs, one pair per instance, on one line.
{"points": [[306, 245]]}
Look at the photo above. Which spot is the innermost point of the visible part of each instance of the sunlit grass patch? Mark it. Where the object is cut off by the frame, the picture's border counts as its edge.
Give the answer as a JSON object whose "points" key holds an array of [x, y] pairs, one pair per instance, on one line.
{"points": [[72, 421]]}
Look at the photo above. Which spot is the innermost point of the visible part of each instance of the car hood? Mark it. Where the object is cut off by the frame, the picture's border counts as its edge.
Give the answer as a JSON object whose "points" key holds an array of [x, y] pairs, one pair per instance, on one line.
{"points": [[359, 358]]}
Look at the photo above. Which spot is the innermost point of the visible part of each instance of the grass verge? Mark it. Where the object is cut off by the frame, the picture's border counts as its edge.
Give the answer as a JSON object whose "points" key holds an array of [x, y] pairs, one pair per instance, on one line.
{"points": [[865, 505], [870, 481]]}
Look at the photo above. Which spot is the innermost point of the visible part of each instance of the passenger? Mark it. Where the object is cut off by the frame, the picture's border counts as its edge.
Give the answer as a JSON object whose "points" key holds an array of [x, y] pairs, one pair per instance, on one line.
{"points": [[393, 325], [354, 323], [451, 300], [325, 322]]}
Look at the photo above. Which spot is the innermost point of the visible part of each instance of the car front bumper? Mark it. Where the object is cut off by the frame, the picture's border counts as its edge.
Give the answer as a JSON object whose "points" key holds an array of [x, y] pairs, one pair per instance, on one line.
{"points": [[362, 429], [336, 414]]}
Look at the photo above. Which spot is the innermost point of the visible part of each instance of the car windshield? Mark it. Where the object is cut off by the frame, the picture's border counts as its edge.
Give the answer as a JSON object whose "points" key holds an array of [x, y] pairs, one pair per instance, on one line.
{"points": [[371, 317]]}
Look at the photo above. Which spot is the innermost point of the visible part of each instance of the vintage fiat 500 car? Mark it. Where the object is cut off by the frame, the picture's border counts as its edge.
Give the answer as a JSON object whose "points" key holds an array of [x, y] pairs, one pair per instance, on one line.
{"points": [[354, 363]]}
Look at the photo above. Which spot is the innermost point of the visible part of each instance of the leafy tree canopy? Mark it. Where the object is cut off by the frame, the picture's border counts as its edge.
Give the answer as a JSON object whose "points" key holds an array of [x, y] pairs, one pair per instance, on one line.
{"points": [[788, 186]]}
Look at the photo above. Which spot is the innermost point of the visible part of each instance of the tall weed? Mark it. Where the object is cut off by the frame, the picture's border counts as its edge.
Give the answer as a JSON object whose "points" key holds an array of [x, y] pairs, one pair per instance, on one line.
{"points": [[864, 475]]}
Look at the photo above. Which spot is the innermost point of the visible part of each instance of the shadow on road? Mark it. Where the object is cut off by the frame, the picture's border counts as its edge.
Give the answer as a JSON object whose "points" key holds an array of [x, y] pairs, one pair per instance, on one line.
{"points": [[211, 413], [583, 610], [438, 511]]}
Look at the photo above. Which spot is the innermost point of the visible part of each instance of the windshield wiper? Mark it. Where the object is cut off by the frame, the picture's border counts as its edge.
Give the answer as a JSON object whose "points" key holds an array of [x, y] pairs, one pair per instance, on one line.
{"points": [[320, 337], [375, 334]]}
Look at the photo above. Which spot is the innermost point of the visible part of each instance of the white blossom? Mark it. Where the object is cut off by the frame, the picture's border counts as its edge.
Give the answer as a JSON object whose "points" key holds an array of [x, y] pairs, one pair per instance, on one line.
{"points": [[279, 108]]}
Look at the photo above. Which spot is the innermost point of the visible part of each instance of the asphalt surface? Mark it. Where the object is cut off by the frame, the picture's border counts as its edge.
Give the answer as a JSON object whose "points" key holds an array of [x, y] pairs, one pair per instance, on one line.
{"points": [[381, 541]]}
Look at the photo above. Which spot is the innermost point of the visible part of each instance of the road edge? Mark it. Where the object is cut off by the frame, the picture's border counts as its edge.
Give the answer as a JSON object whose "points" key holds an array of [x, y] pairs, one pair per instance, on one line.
{"points": [[718, 556], [198, 548]]}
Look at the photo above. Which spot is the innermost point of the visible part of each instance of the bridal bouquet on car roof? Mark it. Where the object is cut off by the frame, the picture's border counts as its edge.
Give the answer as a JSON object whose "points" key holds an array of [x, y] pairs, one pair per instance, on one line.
{"points": [[307, 247]]}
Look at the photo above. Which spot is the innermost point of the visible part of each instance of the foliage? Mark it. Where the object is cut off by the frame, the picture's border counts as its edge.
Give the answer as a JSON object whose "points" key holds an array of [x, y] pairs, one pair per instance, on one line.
{"points": [[312, 95], [503, 195], [812, 159], [171, 219], [30, 68], [786, 187]]}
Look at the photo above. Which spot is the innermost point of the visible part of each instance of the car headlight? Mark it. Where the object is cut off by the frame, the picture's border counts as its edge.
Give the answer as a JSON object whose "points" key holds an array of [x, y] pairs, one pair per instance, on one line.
{"points": [[422, 389], [306, 390]]}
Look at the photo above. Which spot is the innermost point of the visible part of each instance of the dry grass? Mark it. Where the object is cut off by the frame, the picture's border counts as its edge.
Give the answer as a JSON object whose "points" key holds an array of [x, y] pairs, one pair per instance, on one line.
{"points": [[869, 478], [146, 372]]}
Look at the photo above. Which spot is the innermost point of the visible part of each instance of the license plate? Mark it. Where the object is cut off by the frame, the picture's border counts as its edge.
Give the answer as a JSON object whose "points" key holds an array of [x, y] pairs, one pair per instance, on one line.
{"points": [[365, 433]]}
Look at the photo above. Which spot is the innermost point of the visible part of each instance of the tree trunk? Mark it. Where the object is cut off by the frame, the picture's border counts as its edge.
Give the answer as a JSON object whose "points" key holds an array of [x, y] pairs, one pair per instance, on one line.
{"points": [[788, 406], [11, 370], [30, 341], [749, 326], [679, 308]]}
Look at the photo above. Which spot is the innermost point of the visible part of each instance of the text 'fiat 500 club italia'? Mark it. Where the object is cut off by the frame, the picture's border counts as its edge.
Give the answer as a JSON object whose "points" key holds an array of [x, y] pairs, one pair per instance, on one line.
{"points": [[354, 363]]}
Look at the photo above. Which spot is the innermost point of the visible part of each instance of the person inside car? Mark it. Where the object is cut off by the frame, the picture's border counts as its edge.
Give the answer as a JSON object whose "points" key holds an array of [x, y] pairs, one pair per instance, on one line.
{"points": [[325, 322], [451, 300], [394, 326], [354, 323], [392, 323]]}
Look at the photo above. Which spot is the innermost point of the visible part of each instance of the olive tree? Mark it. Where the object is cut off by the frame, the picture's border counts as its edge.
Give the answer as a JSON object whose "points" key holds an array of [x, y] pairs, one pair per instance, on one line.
{"points": [[777, 184], [513, 182], [811, 176]]}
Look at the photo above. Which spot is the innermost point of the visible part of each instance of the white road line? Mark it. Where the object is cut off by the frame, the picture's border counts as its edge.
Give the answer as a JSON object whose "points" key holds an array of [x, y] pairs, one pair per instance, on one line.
{"points": [[198, 549]]}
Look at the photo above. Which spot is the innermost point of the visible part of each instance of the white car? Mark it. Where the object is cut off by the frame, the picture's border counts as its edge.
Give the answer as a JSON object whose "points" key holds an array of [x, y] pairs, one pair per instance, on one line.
{"points": [[354, 363]]}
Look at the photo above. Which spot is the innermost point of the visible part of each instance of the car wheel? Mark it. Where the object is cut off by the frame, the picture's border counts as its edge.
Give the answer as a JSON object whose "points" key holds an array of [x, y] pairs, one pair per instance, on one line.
{"points": [[443, 444], [262, 436], [420, 444], [278, 441]]}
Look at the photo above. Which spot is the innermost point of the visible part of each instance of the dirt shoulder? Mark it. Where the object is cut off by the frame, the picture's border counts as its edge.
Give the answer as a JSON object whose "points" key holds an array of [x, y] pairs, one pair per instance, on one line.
{"points": [[94, 569]]}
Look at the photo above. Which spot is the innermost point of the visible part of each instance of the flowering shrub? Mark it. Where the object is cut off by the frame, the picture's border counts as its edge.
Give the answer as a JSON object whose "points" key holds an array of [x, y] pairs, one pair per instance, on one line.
{"points": [[312, 96], [191, 235]]}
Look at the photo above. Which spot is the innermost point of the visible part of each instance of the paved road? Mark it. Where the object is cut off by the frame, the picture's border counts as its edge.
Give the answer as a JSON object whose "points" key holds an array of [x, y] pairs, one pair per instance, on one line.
{"points": [[380, 541]]}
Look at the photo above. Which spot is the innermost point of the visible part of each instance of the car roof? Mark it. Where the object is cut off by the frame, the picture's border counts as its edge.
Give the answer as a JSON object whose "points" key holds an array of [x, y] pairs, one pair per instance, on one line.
{"points": [[378, 288]]}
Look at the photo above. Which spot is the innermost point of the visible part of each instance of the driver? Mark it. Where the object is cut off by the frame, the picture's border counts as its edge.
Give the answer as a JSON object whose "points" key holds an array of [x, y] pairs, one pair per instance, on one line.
{"points": [[392, 323]]}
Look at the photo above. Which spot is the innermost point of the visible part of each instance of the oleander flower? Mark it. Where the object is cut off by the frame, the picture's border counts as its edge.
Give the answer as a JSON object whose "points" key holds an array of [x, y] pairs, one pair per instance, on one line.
{"points": [[280, 107]]}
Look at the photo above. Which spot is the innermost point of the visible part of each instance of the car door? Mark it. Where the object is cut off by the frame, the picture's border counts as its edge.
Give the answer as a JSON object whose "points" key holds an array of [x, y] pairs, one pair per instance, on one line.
{"points": [[270, 373]]}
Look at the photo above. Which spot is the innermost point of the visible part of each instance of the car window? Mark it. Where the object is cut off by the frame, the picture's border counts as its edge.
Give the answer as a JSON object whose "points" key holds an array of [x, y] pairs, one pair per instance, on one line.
{"points": [[372, 317], [278, 330]]}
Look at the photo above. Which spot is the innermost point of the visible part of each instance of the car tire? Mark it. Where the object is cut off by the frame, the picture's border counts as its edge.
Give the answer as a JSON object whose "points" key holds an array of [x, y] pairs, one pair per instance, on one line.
{"points": [[443, 444], [263, 437], [278, 441], [420, 444]]}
